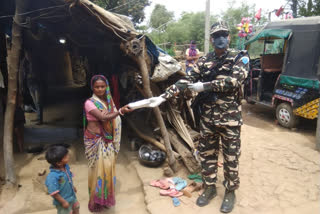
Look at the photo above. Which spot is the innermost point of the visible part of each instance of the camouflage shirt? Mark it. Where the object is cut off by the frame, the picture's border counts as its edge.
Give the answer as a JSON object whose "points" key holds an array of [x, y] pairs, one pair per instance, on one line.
{"points": [[231, 71]]}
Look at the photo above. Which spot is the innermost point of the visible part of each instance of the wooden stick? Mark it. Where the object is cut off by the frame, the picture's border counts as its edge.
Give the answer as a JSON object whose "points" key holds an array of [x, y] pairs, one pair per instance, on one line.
{"points": [[145, 137], [141, 61], [186, 155]]}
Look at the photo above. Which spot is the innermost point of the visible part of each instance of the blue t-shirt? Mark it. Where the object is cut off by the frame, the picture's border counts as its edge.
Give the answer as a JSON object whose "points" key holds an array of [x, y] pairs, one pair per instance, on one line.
{"points": [[60, 182]]}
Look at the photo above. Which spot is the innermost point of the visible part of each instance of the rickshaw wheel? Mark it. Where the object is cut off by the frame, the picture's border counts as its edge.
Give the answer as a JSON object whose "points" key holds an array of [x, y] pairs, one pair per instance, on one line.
{"points": [[285, 116]]}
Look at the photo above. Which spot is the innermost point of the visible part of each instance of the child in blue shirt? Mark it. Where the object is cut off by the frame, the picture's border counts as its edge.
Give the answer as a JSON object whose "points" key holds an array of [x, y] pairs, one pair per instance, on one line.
{"points": [[59, 181]]}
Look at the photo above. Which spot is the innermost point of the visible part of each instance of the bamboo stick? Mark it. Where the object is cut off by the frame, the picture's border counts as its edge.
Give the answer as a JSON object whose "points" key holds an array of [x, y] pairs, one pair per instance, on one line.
{"points": [[145, 137], [177, 122]]}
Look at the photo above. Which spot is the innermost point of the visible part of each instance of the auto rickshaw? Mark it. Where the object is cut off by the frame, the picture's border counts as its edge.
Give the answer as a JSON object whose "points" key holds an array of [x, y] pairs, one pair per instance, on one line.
{"points": [[284, 71]]}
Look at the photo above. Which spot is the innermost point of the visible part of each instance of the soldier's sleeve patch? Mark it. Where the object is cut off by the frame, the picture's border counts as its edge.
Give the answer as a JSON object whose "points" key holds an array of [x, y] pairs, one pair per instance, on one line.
{"points": [[245, 60]]}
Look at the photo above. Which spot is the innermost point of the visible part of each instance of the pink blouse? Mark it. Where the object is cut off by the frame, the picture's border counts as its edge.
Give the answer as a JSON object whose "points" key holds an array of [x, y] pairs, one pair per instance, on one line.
{"points": [[89, 106]]}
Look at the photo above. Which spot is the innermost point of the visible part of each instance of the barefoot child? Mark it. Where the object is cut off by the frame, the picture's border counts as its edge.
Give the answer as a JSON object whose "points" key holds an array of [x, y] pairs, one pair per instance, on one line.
{"points": [[59, 181]]}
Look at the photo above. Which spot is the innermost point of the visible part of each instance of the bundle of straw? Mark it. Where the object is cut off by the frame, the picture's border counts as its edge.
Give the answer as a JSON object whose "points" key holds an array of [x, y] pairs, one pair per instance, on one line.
{"points": [[177, 122]]}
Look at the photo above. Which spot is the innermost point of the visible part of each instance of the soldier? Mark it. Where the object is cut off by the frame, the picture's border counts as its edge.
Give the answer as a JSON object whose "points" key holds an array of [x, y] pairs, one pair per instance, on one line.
{"points": [[218, 79]]}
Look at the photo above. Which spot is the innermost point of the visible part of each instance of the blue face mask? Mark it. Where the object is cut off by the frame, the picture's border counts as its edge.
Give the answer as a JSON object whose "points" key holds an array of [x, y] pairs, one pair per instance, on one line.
{"points": [[220, 42]]}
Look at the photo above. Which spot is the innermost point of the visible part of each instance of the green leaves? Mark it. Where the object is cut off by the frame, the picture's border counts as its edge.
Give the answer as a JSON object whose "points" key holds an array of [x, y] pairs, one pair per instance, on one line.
{"points": [[160, 16], [309, 8], [189, 27]]}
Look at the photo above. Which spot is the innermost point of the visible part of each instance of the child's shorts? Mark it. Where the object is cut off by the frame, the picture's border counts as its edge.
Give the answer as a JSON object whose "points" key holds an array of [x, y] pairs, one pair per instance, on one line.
{"points": [[73, 206]]}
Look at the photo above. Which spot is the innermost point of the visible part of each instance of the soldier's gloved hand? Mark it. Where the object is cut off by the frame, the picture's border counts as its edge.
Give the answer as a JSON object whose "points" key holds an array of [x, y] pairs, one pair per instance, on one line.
{"points": [[156, 101], [182, 84], [197, 87]]}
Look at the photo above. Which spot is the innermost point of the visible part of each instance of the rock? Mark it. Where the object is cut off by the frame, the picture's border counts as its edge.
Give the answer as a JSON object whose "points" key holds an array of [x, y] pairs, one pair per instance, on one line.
{"points": [[42, 172], [167, 171]]}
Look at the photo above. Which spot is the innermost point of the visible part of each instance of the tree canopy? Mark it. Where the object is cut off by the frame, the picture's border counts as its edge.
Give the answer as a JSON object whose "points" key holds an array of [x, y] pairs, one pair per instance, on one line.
{"points": [[189, 27], [310, 8], [131, 8], [160, 16]]}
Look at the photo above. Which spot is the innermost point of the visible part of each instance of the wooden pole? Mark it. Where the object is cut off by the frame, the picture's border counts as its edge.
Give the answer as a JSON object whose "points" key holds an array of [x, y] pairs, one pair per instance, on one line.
{"points": [[207, 27], [13, 67], [146, 137], [4, 73], [140, 58]]}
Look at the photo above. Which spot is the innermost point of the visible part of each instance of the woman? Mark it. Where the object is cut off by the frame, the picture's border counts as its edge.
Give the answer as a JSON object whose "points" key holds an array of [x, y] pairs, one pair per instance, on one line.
{"points": [[102, 134], [192, 56]]}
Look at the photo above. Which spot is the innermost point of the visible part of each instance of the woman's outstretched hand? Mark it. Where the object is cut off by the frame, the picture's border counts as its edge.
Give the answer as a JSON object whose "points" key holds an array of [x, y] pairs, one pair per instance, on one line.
{"points": [[125, 109]]}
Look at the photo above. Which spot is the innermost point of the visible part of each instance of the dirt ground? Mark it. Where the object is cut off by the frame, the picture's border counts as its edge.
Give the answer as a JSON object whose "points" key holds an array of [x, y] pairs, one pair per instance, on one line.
{"points": [[279, 174], [32, 198], [279, 171]]}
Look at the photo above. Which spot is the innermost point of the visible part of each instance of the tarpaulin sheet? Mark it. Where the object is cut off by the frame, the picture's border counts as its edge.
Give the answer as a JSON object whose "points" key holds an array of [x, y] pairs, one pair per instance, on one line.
{"points": [[273, 33]]}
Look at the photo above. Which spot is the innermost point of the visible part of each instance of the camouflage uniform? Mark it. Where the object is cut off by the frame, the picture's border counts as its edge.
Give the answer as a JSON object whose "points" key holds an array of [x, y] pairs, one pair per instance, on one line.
{"points": [[221, 117]]}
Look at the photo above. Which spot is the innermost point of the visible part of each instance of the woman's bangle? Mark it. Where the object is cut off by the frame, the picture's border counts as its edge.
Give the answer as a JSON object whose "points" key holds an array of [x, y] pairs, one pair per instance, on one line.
{"points": [[120, 112]]}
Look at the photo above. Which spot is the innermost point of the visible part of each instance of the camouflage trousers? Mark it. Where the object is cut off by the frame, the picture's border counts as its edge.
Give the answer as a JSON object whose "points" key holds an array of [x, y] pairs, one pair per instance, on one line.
{"points": [[209, 151]]}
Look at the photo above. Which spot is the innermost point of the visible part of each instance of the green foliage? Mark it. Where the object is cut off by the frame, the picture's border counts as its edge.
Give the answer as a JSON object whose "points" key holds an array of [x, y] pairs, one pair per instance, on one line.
{"points": [[131, 8], [255, 49], [233, 17], [189, 27], [170, 51], [309, 8], [142, 29], [159, 17]]}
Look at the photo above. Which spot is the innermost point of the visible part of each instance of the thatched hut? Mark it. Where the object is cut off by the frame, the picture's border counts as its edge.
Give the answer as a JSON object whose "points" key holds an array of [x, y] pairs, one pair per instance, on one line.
{"points": [[62, 34]]}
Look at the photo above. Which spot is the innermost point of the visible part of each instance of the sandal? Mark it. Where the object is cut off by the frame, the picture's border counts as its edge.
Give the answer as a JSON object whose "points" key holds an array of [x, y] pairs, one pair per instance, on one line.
{"points": [[171, 192], [161, 183], [193, 186]]}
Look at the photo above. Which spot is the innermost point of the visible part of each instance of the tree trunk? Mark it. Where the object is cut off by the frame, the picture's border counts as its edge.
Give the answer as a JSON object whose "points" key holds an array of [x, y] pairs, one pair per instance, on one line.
{"points": [[140, 59], [294, 8], [13, 67], [4, 73]]}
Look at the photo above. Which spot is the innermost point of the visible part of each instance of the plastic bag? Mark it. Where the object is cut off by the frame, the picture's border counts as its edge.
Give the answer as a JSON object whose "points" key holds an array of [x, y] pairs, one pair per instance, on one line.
{"points": [[166, 67]]}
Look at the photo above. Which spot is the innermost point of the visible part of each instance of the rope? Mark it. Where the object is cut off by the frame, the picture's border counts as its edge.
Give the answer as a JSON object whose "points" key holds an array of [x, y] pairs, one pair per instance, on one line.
{"points": [[29, 12]]}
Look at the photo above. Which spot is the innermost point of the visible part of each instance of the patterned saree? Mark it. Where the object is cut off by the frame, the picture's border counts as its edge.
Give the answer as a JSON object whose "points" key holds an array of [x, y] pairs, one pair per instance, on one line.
{"points": [[101, 151]]}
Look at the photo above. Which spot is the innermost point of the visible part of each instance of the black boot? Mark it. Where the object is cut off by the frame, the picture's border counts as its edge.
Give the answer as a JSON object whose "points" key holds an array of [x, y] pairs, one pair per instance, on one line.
{"points": [[228, 201], [209, 193]]}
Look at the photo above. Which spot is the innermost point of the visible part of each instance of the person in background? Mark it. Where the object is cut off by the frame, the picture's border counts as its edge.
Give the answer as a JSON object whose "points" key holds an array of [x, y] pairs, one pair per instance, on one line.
{"points": [[192, 56]]}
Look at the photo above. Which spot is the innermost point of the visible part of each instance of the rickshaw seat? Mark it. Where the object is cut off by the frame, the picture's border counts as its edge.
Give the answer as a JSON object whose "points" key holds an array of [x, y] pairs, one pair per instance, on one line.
{"points": [[272, 62]]}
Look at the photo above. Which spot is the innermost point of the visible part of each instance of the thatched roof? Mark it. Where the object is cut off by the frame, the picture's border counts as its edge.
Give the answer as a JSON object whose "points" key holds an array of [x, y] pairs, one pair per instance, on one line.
{"points": [[83, 22]]}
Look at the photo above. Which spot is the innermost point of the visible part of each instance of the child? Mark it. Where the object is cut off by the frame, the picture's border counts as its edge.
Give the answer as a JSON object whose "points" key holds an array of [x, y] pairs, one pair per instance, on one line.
{"points": [[59, 181]]}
